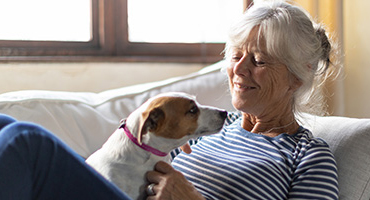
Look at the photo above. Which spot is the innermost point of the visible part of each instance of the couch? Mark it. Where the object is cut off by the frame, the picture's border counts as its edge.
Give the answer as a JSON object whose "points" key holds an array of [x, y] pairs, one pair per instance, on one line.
{"points": [[85, 120]]}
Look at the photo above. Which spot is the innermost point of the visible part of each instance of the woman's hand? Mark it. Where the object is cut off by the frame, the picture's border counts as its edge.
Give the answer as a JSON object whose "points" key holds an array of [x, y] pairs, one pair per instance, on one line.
{"points": [[170, 184]]}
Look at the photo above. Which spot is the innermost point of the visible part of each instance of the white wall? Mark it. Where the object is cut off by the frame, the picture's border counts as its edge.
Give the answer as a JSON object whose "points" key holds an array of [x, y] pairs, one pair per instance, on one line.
{"points": [[85, 77]]}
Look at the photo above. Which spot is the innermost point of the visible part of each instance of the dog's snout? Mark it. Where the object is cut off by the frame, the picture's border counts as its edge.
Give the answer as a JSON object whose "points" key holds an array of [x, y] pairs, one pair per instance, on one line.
{"points": [[223, 114]]}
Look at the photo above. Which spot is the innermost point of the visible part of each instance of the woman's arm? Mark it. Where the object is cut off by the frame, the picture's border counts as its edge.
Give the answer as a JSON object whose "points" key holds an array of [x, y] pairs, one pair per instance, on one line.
{"points": [[171, 184], [316, 175]]}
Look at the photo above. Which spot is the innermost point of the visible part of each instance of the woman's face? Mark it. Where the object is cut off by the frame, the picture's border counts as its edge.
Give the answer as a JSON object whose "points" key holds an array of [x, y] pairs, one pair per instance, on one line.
{"points": [[258, 83]]}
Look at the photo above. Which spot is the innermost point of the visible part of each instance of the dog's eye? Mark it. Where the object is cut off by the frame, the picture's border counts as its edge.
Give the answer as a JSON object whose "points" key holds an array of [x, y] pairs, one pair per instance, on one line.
{"points": [[194, 110]]}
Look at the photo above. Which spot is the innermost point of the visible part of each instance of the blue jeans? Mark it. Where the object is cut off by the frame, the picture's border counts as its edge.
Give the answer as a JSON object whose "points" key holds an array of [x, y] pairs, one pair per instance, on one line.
{"points": [[34, 164]]}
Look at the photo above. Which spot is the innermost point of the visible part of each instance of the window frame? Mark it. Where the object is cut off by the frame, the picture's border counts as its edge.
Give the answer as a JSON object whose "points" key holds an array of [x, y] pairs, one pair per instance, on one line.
{"points": [[110, 43]]}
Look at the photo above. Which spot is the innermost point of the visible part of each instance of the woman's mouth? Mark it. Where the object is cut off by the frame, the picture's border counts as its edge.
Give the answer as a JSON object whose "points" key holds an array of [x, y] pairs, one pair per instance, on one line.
{"points": [[243, 87]]}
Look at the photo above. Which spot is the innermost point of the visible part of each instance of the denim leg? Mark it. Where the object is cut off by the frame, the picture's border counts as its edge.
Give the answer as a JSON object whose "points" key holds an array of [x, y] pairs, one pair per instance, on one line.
{"points": [[5, 120], [34, 164]]}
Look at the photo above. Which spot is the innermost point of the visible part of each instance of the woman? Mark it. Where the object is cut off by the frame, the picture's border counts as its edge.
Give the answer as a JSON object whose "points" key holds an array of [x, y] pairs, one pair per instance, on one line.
{"points": [[277, 57]]}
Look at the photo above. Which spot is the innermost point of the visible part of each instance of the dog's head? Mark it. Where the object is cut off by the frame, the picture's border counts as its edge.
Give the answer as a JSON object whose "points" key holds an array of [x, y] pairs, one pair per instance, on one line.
{"points": [[177, 116]]}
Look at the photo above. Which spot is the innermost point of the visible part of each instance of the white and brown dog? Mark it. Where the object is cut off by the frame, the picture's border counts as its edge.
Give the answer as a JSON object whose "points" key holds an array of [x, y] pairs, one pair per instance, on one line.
{"points": [[149, 134]]}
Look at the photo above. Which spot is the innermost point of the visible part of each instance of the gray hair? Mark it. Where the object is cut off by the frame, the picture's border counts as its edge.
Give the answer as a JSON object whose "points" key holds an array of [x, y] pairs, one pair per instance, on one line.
{"points": [[293, 39]]}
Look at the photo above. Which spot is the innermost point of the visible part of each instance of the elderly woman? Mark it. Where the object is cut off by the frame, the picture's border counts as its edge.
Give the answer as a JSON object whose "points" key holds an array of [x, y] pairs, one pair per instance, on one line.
{"points": [[277, 56]]}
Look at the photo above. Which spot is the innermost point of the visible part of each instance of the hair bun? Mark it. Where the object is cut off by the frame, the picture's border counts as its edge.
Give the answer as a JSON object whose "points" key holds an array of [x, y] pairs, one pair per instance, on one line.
{"points": [[325, 45]]}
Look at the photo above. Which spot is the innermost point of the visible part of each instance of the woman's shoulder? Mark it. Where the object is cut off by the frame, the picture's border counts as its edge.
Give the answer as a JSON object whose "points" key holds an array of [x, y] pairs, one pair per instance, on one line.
{"points": [[307, 140]]}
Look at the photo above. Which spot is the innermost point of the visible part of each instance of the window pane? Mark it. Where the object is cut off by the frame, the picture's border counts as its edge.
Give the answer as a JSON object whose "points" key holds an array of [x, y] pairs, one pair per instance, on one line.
{"points": [[46, 20], [183, 21]]}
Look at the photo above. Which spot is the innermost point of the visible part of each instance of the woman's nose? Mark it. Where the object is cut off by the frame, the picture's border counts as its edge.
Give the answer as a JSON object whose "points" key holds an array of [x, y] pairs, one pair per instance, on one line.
{"points": [[242, 67]]}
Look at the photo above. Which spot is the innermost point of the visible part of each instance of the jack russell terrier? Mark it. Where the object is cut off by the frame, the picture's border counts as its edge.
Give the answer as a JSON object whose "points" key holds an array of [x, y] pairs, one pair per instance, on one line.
{"points": [[149, 134]]}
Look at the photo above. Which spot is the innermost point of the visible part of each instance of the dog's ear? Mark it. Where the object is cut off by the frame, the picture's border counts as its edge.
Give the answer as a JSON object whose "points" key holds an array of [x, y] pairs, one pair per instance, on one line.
{"points": [[150, 122]]}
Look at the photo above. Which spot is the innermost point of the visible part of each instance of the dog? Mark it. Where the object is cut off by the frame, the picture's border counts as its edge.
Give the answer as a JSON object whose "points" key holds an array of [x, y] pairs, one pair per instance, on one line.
{"points": [[163, 123]]}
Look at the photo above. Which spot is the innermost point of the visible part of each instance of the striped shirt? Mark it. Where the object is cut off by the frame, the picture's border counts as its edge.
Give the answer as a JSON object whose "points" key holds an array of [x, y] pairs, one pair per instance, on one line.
{"points": [[237, 164]]}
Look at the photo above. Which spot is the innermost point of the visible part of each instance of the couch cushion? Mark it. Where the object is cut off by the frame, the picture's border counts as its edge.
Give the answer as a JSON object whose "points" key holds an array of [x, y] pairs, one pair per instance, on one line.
{"points": [[349, 140], [85, 120]]}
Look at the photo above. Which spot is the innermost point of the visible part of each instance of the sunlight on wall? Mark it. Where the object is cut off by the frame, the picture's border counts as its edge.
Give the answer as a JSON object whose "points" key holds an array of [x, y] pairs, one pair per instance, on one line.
{"points": [[357, 58]]}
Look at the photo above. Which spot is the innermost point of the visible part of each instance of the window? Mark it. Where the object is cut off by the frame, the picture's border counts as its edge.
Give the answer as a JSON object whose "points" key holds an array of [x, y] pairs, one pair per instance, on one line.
{"points": [[51, 24], [181, 21], [115, 30]]}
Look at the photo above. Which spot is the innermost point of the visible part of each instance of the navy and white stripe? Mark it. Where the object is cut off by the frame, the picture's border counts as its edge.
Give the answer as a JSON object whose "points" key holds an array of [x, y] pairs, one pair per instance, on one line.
{"points": [[237, 164], [231, 117]]}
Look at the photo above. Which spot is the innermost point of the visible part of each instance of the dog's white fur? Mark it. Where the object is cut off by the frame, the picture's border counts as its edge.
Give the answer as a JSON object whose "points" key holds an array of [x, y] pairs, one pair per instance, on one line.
{"points": [[125, 164]]}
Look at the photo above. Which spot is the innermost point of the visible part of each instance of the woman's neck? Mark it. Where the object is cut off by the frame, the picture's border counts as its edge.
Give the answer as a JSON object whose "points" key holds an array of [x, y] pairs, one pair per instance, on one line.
{"points": [[270, 125]]}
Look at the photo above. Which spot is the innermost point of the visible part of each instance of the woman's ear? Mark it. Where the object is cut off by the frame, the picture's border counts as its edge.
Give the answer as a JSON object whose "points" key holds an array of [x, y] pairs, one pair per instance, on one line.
{"points": [[295, 83]]}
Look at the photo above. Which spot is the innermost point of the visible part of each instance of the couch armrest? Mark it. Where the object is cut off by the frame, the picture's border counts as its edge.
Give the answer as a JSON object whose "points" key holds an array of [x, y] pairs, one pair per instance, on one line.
{"points": [[349, 140]]}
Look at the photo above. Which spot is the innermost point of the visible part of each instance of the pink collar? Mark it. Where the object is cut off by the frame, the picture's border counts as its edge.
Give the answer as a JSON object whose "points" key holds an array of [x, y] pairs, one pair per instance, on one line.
{"points": [[143, 146]]}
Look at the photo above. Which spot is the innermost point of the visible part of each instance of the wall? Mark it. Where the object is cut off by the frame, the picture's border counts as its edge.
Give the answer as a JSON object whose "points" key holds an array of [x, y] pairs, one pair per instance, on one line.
{"points": [[357, 57], [85, 77]]}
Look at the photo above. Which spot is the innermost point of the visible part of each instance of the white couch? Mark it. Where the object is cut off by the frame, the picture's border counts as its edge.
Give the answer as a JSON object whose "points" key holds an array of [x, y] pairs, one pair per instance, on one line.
{"points": [[85, 120]]}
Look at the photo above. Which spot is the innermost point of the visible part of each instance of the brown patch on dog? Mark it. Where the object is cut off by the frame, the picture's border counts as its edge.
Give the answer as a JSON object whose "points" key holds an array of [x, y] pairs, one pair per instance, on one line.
{"points": [[170, 117]]}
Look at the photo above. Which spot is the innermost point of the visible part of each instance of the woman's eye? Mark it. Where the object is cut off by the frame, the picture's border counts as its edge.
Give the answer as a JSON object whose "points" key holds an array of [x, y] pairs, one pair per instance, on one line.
{"points": [[258, 62], [235, 58]]}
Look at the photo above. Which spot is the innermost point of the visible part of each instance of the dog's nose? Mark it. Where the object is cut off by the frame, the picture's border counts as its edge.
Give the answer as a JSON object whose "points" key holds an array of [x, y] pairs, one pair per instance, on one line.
{"points": [[223, 114]]}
